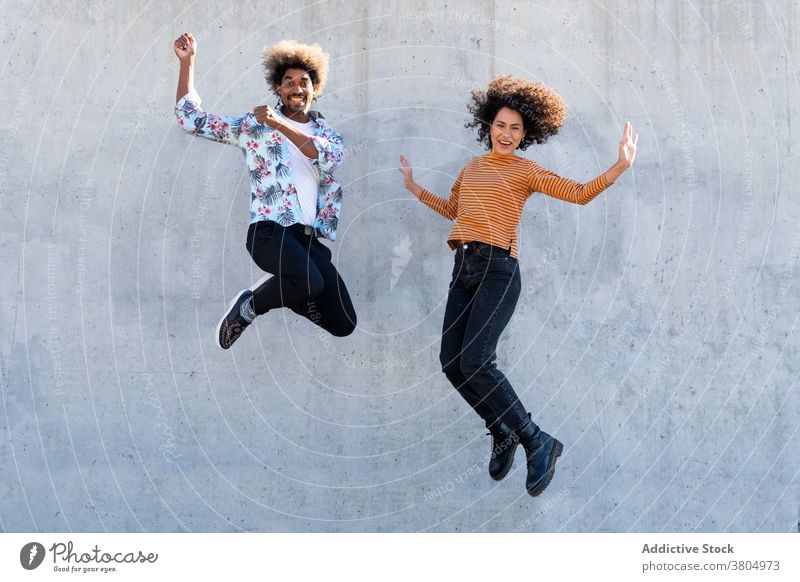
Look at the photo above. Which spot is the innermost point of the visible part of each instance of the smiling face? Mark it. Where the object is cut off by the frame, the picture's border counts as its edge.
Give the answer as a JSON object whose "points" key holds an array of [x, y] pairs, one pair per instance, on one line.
{"points": [[507, 131], [297, 92]]}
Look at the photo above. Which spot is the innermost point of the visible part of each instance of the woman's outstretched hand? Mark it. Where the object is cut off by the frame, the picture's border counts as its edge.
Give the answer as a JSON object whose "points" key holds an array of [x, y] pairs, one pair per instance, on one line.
{"points": [[408, 176], [627, 152], [627, 147], [405, 169]]}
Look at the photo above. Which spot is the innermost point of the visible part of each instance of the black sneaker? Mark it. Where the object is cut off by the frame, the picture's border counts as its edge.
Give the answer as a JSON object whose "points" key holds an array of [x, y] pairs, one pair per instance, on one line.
{"points": [[232, 324]]}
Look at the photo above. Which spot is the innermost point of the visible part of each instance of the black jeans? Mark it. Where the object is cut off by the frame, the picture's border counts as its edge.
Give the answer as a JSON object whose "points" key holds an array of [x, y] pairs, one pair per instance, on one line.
{"points": [[483, 294], [304, 279]]}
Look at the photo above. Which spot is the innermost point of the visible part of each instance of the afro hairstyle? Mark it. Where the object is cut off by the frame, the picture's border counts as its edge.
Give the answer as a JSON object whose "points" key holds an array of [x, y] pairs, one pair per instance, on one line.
{"points": [[290, 54]]}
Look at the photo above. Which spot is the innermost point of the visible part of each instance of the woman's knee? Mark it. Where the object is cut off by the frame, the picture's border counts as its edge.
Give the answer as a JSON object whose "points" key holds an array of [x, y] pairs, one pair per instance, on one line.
{"points": [[471, 365], [451, 365]]}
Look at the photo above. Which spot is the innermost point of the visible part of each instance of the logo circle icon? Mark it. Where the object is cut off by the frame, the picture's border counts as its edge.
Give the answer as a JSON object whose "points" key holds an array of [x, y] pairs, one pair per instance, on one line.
{"points": [[31, 555]]}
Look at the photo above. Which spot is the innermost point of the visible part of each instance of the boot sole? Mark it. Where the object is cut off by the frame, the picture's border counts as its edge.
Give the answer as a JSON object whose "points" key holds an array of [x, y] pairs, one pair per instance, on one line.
{"points": [[551, 469], [510, 462]]}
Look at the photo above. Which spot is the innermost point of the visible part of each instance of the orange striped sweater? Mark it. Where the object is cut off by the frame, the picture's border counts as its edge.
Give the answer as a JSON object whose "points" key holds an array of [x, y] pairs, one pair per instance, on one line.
{"points": [[487, 198]]}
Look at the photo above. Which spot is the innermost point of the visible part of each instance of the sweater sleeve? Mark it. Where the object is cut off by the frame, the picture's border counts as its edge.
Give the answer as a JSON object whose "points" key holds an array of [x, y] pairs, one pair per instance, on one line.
{"points": [[546, 182], [447, 208]]}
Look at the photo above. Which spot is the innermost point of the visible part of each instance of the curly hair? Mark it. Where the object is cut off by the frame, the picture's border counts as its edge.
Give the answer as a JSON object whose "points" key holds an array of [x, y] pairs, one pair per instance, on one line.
{"points": [[289, 54], [543, 110]]}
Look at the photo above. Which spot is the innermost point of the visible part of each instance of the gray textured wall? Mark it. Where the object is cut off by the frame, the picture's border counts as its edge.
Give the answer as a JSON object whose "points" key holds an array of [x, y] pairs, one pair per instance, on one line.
{"points": [[656, 334]]}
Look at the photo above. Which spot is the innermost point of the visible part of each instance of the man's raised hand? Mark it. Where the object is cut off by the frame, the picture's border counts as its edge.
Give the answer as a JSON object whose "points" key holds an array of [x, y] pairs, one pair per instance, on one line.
{"points": [[185, 46]]}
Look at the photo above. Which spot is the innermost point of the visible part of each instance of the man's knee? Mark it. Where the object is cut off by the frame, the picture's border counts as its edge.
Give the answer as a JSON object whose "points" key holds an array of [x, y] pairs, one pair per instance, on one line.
{"points": [[345, 329]]}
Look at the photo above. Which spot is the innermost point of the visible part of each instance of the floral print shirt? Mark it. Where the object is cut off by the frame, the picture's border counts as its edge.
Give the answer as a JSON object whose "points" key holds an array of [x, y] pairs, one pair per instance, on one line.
{"points": [[273, 196]]}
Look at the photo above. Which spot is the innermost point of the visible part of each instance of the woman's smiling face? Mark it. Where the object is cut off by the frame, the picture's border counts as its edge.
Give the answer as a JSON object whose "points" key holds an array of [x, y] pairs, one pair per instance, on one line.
{"points": [[507, 131]]}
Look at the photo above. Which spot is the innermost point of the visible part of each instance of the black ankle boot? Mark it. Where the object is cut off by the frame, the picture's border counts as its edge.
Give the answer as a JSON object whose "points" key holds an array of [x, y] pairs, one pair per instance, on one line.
{"points": [[541, 450], [504, 445]]}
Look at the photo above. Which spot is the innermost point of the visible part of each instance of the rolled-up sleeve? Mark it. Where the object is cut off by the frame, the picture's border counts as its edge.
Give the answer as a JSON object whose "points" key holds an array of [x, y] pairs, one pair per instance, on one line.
{"points": [[219, 128], [330, 150]]}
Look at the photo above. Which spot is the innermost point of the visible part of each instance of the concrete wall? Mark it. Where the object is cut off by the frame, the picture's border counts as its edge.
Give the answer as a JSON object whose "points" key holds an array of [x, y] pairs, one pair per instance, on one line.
{"points": [[656, 335]]}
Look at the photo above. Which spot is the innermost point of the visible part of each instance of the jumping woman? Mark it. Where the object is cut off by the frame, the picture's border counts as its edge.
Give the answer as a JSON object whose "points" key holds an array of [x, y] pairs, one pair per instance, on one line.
{"points": [[486, 203]]}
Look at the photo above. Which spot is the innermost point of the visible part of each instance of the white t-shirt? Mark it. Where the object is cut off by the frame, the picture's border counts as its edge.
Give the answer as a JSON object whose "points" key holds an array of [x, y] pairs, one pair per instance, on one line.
{"points": [[305, 174]]}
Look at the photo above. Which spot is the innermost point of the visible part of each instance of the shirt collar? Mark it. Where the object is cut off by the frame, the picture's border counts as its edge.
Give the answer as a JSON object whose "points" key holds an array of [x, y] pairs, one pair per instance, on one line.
{"points": [[312, 116]]}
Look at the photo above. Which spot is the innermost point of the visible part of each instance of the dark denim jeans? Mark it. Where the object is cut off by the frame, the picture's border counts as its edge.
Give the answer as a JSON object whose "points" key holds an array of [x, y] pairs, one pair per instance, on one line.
{"points": [[483, 294], [305, 279]]}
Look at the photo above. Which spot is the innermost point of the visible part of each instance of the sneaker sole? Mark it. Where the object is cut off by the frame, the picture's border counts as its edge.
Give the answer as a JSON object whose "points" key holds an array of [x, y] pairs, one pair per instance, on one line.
{"points": [[551, 469], [510, 462], [227, 311]]}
